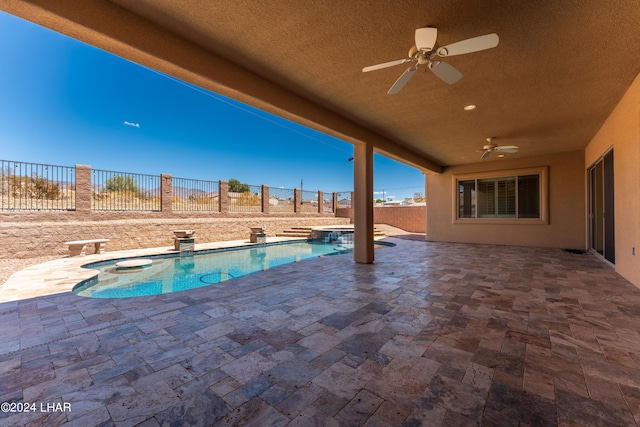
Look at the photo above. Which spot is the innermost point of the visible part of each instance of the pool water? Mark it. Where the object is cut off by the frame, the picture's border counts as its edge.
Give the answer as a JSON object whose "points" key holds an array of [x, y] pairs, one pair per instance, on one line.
{"points": [[175, 273]]}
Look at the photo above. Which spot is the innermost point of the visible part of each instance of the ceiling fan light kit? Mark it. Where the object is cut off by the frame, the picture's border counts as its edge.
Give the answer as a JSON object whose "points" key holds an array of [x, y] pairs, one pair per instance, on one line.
{"points": [[423, 52]]}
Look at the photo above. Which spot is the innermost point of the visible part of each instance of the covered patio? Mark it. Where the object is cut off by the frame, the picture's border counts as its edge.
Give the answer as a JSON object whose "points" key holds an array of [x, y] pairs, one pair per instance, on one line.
{"points": [[560, 84], [433, 334], [502, 328]]}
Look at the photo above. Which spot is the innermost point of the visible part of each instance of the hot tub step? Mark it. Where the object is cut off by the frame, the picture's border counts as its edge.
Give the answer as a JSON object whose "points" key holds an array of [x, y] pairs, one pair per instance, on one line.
{"points": [[305, 231], [293, 233]]}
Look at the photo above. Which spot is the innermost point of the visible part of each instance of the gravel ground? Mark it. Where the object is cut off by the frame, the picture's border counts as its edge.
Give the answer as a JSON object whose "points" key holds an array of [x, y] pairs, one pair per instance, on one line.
{"points": [[10, 266], [400, 233]]}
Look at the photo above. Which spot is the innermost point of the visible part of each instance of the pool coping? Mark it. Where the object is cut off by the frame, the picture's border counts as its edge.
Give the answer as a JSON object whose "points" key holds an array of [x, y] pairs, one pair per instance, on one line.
{"points": [[87, 285], [63, 274]]}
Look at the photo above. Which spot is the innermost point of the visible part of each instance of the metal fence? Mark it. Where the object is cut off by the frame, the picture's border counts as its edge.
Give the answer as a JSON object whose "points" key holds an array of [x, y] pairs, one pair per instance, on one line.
{"points": [[282, 200], [33, 186], [344, 199], [309, 201], [123, 191], [327, 203], [196, 195], [246, 201]]}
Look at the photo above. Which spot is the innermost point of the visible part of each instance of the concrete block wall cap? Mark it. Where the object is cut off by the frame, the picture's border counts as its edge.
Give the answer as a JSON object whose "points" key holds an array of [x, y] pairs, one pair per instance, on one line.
{"points": [[184, 233]]}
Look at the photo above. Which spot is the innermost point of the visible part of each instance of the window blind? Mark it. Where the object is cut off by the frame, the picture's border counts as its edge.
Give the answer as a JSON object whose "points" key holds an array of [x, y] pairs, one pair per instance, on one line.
{"points": [[503, 197]]}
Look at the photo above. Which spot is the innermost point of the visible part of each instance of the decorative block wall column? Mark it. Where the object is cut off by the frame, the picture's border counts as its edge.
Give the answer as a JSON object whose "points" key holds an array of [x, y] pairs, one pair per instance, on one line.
{"points": [[265, 199], [224, 196], [166, 193], [320, 201], [335, 203], [83, 189], [297, 200]]}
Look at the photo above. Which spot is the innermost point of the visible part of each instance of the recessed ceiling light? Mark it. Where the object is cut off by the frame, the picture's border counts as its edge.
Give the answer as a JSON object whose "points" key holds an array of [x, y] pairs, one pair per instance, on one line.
{"points": [[501, 155], [470, 107]]}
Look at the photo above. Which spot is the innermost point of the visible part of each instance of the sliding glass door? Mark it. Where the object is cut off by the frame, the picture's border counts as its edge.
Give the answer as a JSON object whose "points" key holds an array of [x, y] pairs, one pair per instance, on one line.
{"points": [[601, 208]]}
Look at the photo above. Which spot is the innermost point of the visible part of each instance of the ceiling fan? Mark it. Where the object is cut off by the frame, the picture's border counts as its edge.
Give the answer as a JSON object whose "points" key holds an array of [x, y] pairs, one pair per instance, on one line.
{"points": [[491, 147], [424, 52]]}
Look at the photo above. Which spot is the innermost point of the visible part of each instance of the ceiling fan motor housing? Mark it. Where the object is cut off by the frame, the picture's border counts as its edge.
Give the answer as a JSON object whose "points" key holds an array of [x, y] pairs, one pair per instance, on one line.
{"points": [[426, 38]]}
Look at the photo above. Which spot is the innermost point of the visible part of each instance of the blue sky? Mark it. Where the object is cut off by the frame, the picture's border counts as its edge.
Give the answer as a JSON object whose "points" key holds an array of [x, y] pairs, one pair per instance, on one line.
{"points": [[63, 103]]}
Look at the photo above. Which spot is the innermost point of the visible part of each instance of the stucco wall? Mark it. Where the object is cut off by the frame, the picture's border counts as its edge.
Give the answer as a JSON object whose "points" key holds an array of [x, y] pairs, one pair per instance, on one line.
{"points": [[622, 132], [566, 202]]}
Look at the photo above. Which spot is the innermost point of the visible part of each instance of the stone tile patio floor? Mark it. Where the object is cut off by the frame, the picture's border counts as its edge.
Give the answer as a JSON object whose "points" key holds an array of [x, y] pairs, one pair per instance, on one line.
{"points": [[431, 334]]}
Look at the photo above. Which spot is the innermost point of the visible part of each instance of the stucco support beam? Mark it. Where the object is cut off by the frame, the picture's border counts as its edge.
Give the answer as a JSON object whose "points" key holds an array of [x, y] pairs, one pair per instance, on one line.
{"points": [[363, 203]]}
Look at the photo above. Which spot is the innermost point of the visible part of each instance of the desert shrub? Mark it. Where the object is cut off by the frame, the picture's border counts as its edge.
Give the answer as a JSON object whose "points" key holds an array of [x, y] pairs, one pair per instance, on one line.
{"points": [[236, 186], [248, 199], [42, 188], [34, 188], [126, 184]]}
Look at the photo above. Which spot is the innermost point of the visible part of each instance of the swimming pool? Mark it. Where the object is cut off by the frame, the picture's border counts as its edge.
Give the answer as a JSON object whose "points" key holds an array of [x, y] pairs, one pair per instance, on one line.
{"points": [[174, 273]]}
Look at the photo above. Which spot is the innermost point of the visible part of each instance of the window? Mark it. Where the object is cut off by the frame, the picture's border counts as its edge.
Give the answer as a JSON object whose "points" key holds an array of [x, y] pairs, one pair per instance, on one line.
{"points": [[467, 199], [516, 195], [497, 197], [529, 196]]}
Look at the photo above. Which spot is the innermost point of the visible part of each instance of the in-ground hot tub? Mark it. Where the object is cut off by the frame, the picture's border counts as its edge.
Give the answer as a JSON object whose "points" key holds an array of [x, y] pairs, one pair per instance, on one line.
{"points": [[342, 235]]}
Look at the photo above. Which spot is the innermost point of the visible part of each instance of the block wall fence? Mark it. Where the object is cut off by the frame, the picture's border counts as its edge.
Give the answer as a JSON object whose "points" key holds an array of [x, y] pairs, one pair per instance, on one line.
{"points": [[408, 218], [84, 194], [35, 233]]}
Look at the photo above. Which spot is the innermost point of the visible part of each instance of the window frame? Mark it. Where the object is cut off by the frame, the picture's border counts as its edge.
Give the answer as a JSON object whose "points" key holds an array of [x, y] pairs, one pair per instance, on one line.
{"points": [[541, 171]]}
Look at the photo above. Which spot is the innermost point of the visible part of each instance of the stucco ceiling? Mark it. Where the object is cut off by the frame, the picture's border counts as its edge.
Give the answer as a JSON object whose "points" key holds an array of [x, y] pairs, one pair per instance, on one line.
{"points": [[560, 68]]}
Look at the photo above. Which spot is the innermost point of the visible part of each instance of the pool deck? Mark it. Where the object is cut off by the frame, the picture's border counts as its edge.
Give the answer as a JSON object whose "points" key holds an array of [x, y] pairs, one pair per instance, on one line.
{"points": [[61, 275], [432, 334]]}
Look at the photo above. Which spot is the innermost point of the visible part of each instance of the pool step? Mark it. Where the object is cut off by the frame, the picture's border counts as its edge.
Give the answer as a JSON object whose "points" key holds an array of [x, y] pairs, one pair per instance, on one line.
{"points": [[306, 232]]}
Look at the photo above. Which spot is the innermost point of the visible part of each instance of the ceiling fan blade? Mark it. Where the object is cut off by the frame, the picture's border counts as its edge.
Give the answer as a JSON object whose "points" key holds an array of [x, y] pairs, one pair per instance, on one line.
{"points": [[447, 73], [486, 154], [426, 38], [507, 148], [385, 65], [403, 80], [470, 45]]}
